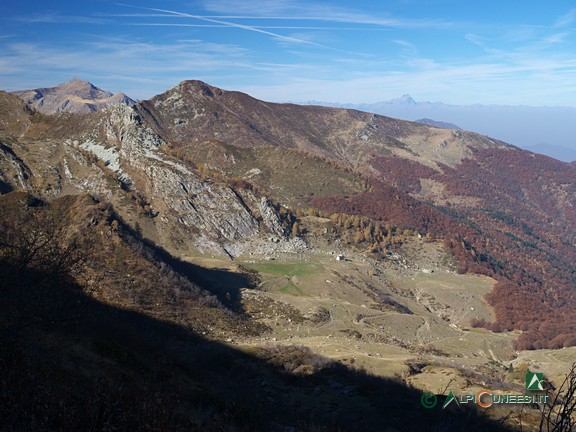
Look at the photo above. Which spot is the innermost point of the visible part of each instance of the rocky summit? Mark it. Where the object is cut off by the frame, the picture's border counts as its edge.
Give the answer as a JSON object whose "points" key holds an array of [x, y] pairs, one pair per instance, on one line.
{"points": [[74, 96]]}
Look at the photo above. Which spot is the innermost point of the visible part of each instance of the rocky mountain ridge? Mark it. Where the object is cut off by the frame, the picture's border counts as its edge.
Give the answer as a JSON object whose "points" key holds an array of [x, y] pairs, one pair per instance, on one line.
{"points": [[75, 96], [117, 158], [198, 169], [131, 148], [194, 113]]}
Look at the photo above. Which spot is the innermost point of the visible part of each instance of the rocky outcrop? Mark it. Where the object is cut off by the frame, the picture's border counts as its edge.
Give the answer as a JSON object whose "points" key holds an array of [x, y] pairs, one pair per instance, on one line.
{"points": [[205, 214], [14, 174], [114, 155], [270, 218]]}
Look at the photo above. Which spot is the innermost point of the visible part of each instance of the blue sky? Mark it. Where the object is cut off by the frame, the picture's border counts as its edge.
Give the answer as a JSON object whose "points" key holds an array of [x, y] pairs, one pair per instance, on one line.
{"points": [[490, 52]]}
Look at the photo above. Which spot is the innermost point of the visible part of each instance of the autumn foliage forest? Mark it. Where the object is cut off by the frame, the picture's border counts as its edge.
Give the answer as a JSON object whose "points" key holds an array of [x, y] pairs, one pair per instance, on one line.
{"points": [[506, 215]]}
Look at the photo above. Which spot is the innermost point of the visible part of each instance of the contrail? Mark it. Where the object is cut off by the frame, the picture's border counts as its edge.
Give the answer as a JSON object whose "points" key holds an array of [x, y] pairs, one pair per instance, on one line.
{"points": [[236, 25], [256, 27]]}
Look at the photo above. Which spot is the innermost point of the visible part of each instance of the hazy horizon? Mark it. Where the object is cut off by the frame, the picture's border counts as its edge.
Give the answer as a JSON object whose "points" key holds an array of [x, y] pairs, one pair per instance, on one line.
{"points": [[544, 129]]}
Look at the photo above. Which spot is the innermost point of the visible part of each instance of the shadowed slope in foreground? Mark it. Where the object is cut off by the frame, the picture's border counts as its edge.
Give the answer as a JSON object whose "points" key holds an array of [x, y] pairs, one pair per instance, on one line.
{"points": [[70, 362], [114, 369]]}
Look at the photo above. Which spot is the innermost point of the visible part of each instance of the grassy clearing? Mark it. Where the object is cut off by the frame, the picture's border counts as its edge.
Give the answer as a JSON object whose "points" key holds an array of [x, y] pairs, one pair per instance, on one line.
{"points": [[288, 273], [461, 297], [286, 269], [473, 283], [291, 288]]}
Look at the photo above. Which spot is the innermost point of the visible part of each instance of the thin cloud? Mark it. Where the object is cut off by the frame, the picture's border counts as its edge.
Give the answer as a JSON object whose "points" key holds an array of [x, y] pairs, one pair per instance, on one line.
{"points": [[350, 19], [556, 38], [244, 27], [257, 27], [290, 10], [176, 25], [566, 19], [138, 69], [266, 7], [481, 83], [296, 13], [55, 18], [475, 39], [407, 47]]}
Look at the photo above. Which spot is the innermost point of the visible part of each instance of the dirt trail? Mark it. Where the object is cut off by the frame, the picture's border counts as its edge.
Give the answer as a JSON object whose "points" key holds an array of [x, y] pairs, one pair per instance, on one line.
{"points": [[423, 330]]}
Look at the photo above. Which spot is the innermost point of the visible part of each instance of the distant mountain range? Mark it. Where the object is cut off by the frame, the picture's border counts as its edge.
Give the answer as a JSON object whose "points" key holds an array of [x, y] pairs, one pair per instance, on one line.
{"points": [[74, 96], [546, 130]]}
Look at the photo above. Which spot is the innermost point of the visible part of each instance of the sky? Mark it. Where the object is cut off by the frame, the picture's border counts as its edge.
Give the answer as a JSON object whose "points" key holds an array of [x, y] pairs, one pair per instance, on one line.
{"points": [[487, 52]]}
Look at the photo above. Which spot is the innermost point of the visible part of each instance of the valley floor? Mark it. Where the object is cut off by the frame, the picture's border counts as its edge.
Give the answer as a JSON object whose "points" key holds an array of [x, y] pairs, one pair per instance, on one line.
{"points": [[387, 316]]}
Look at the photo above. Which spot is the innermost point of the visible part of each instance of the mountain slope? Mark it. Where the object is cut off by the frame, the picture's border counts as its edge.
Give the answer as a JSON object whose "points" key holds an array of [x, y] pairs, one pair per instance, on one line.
{"points": [[75, 96], [113, 155], [194, 168], [524, 126], [500, 208], [194, 112]]}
